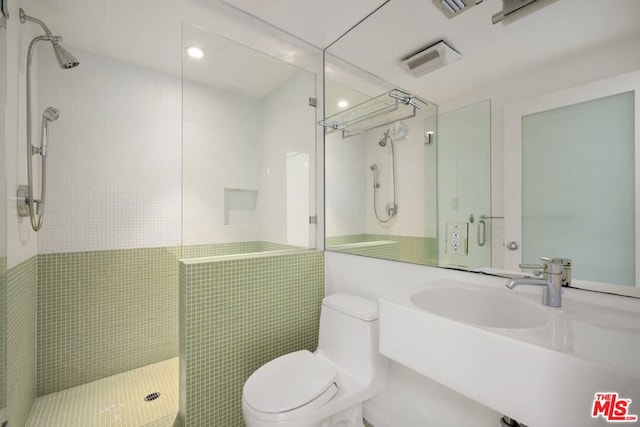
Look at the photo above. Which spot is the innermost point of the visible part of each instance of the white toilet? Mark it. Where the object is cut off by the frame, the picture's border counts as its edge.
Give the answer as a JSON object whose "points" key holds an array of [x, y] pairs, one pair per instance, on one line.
{"points": [[325, 388]]}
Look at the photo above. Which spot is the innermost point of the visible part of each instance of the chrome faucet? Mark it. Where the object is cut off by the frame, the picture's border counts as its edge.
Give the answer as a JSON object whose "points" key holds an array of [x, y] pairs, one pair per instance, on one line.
{"points": [[555, 272]]}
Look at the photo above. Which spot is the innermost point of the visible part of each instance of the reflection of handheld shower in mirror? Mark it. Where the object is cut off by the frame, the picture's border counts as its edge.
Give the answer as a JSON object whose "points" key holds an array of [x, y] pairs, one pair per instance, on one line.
{"points": [[374, 169], [398, 130]]}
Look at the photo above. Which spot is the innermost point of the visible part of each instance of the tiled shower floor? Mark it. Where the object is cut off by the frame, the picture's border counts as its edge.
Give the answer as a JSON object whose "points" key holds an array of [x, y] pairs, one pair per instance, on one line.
{"points": [[114, 401]]}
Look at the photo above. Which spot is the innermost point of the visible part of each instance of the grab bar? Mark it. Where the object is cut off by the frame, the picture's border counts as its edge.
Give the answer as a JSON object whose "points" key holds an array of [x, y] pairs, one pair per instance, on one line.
{"points": [[482, 232]]}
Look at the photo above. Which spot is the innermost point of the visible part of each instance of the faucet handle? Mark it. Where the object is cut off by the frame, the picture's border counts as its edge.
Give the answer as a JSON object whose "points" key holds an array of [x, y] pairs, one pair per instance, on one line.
{"points": [[566, 271], [560, 266], [538, 269]]}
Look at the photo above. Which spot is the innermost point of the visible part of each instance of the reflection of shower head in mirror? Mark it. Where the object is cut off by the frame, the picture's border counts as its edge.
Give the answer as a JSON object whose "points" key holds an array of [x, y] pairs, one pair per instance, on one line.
{"points": [[383, 141]]}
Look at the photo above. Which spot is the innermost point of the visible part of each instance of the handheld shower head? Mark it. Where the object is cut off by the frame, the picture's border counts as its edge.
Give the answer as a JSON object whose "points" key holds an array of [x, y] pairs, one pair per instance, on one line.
{"points": [[51, 114]]}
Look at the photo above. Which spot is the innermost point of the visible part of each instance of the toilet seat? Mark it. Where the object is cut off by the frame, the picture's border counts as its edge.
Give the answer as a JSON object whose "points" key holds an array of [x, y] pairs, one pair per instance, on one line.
{"points": [[296, 382]]}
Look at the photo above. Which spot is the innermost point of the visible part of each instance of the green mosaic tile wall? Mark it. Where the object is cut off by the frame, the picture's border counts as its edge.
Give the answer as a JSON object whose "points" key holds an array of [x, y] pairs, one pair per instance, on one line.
{"points": [[416, 250], [21, 340], [3, 333], [348, 239], [385, 249], [235, 316], [104, 312], [220, 249]]}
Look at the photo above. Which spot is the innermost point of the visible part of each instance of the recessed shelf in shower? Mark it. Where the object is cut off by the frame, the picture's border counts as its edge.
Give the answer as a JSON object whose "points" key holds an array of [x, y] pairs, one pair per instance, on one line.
{"points": [[240, 206]]}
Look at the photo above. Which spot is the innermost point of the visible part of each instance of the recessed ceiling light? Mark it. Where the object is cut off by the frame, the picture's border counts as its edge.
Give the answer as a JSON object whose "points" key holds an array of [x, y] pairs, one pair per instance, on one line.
{"points": [[195, 52], [343, 103]]}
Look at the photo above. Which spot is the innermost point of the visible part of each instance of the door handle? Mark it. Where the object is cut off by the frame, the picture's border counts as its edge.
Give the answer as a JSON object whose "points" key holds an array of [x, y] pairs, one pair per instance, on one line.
{"points": [[482, 232]]}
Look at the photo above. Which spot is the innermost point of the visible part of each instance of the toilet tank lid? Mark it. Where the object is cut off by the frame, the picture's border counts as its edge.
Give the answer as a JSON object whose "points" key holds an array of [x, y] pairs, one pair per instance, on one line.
{"points": [[353, 305]]}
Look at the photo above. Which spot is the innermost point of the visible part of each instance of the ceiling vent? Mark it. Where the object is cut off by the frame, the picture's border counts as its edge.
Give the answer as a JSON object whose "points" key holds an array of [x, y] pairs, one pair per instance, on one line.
{"points": [[430, 58], [452, 8], [509, 7]]}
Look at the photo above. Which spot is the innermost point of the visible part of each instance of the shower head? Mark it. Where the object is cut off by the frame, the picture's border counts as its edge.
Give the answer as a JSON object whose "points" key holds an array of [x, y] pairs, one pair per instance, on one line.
{"points": [[65, 59], [373, 167], [51, 114]]}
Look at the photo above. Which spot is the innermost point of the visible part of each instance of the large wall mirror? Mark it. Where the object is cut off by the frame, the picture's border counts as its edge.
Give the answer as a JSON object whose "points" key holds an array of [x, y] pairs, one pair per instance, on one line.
{"points": [[459, 179]]}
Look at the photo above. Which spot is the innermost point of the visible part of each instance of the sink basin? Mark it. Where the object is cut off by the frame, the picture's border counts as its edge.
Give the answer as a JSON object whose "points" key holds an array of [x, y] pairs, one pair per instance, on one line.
{"points": [[508, 352], [482, 307]]}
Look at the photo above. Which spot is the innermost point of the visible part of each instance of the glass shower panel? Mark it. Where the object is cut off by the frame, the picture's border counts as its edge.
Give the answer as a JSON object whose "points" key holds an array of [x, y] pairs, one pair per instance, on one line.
{"points": [[3, 222], [249, 143], [572, 156]]}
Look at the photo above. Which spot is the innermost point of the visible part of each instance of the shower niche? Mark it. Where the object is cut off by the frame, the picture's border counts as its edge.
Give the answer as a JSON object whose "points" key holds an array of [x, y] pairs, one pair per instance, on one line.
{"points": [[240, 206]]}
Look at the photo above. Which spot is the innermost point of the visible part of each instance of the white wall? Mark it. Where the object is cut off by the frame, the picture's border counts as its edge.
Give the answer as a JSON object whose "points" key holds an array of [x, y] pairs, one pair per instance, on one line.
{"points": [[113, 170]]}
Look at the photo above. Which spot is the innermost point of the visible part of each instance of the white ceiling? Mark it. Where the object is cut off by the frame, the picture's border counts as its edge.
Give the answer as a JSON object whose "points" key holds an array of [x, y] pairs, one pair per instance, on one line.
{"points": [[232, 67], [149, 32], [550, 31], [316, 22]]}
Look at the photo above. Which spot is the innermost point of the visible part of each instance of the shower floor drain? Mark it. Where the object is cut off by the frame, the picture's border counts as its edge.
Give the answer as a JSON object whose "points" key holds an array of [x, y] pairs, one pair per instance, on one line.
{"points": [[152, 396]]}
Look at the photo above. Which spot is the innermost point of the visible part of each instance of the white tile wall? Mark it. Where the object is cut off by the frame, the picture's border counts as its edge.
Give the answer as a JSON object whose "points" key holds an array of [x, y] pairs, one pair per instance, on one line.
{"points": [[113, 178], [114, 165], [21, 241]]}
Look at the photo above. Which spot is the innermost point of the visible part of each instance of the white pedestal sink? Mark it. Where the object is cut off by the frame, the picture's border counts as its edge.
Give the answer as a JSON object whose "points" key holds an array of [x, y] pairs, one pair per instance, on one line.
{"points": [[539, 365]]}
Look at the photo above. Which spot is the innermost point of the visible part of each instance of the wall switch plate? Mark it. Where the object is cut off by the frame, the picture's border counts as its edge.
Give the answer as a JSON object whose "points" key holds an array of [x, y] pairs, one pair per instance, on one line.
{"points": [[457, 238]]}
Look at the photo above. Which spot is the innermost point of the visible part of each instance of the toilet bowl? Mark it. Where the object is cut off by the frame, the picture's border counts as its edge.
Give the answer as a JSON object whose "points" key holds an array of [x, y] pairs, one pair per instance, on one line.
{"points": [[325, 388]]}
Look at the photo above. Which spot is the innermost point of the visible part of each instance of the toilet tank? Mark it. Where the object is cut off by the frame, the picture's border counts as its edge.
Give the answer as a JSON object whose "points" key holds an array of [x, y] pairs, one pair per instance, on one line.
{"points": [[348, 336]]}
